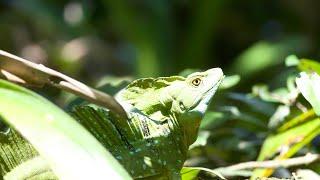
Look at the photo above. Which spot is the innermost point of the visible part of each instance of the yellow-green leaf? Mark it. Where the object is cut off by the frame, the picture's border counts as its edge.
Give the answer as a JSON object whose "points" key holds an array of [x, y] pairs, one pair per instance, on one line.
{"points": [[71, 151]]}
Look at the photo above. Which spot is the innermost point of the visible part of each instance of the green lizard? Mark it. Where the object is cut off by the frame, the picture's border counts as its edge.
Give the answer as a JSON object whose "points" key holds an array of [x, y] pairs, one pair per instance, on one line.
{"points": [[164, 116]]}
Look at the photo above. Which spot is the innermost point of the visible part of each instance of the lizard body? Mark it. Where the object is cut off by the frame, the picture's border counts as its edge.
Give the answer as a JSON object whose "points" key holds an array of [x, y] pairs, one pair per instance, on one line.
{"points": [[164, 117]]}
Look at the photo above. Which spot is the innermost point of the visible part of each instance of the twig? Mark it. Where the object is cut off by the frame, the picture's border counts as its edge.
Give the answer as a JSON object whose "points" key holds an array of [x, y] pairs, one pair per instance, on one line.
{"points": [[22, 71], [307, 159]]}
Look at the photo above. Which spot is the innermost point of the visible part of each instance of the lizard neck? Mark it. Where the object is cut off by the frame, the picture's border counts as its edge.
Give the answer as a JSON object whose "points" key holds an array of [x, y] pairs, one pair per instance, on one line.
{"points": [[189, 124]]}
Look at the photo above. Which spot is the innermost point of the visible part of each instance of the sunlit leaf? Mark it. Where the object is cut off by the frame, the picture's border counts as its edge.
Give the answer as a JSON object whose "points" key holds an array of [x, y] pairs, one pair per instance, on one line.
{"points": [[307, 174], [57, 137], [201, 140], [287, 143], [309, 86], [230, 81], [309, 66], [301, 118], [278, 117], [274, 142], [189, 173], [292, 60], [233, 173]]}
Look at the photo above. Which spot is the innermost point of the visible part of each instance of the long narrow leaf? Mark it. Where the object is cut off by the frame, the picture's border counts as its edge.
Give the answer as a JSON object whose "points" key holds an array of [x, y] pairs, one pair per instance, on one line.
{"points": [[71, 151], [286, 144]]}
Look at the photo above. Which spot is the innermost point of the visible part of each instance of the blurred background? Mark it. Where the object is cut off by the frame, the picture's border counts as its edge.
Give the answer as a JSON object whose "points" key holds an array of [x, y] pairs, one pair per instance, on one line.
{"points": [[88, 39], [91, 40]]}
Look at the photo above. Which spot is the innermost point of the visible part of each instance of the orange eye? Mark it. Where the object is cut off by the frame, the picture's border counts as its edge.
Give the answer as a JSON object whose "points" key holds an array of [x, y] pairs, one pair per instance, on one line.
{"points": [[196, 82]]}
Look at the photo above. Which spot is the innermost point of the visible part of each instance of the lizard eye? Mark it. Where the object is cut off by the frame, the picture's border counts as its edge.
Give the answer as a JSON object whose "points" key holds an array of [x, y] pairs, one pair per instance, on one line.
{"points": [[196, 82]]}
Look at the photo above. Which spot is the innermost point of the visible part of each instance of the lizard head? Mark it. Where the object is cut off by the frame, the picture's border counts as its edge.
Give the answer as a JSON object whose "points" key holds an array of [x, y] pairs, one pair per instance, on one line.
{"points": [[190, 98], [194, 93]]}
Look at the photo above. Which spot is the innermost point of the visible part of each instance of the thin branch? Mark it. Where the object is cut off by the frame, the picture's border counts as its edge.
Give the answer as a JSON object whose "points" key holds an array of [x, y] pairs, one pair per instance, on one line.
{"points": [[307, 159], [22, 71]]}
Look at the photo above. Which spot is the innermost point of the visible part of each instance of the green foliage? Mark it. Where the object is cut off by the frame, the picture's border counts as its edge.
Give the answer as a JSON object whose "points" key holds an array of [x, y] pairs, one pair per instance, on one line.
{"points": [[309, 86], [277, 117], [48, 128], [285, 144], [299, 131], [188, 173], [230, 81], [309, 66], [271, 119], [263, 55]]}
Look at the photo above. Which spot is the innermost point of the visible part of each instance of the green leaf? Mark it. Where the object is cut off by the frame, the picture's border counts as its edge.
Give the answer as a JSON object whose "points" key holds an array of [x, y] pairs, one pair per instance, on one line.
{"points": [[309, 66], [297, 120], [71, 151], [309, 86], [188, 173], [287, 143], [254, 103], [201, 140], [230, 81], [213, 119], [292, 60], [265, 54], [281, 95], [233, 173], [307, 174], [235, 113], [274, 142], [279, 116]]}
